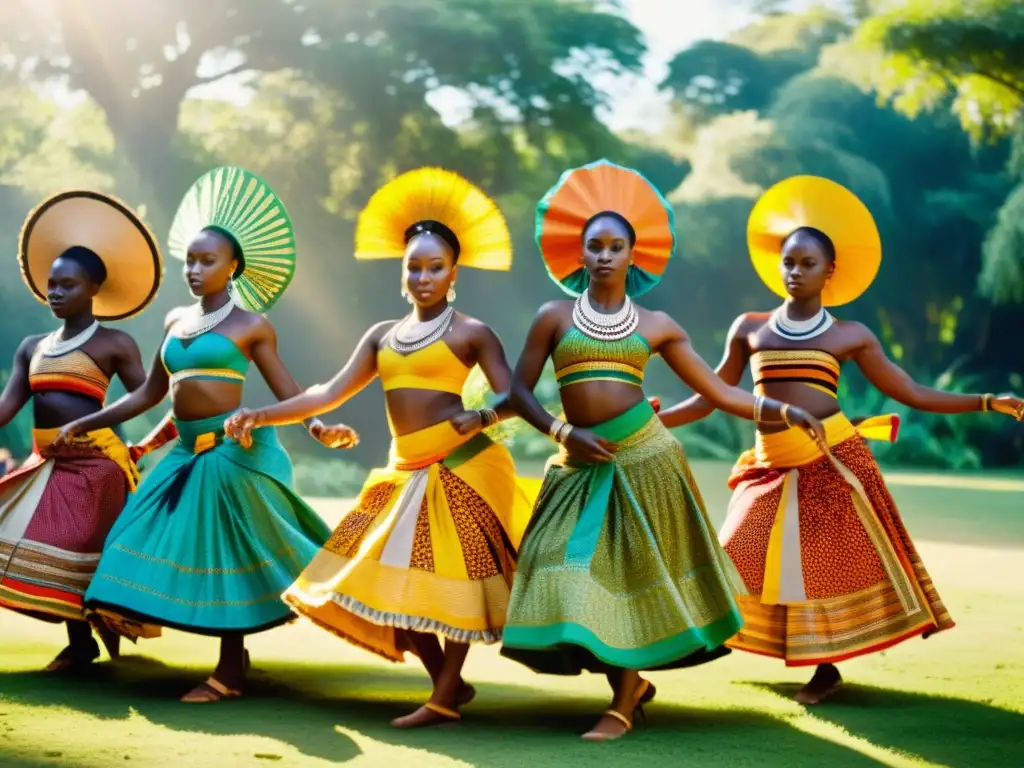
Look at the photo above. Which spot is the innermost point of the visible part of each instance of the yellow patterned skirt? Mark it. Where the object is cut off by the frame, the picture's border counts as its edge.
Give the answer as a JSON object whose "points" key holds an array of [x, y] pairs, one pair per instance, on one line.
{"points": [[430, 547]]}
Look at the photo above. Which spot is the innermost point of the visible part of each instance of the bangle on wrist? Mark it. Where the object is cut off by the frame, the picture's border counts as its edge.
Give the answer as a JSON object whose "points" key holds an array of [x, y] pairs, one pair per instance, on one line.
{"points": [[555, 428], [563, 434], [784, 413], [986, 401], [488, 417], [758, 408]]}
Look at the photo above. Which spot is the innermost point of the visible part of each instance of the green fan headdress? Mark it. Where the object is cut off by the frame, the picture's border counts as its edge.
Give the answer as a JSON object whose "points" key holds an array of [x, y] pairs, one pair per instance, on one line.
{"points": [[240, 203]]}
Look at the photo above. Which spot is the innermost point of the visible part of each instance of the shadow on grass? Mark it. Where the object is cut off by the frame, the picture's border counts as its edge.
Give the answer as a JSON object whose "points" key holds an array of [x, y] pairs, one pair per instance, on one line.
{"points": [[942, 730], [311, 707]]}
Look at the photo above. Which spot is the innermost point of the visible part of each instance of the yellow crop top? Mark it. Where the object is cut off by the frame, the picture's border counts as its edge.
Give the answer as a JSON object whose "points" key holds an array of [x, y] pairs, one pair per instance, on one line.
{"points": [[810, 367], [435, 367]]}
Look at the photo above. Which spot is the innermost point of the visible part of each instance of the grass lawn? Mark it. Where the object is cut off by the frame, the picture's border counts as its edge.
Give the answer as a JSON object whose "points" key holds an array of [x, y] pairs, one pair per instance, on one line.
{"points": [[956, 699]]}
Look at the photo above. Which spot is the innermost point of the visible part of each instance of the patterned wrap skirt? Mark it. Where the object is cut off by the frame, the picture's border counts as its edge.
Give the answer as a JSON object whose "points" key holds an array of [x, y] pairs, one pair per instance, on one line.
{"points": [[620, 566], [209, 541], [55, 513], [430, 547], [830, 569]]}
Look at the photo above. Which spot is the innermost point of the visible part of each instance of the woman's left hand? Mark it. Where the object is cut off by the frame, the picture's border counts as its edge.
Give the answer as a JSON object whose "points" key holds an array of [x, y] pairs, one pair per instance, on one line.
{"points": [[337, 436], [467, 422], [1009, 404]]}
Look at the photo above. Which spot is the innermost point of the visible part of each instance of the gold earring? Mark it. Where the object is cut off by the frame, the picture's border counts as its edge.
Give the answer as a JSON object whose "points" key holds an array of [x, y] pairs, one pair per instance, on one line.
{"points": [[451, 293]]}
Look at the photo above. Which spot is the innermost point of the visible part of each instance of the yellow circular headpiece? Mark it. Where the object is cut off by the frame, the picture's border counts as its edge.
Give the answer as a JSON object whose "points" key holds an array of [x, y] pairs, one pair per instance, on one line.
{"points": [[811, 201]]}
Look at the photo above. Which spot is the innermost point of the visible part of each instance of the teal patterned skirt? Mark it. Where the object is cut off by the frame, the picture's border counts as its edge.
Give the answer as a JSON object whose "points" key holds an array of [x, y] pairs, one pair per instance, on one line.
{"points": [[620, 566], [210, 540]]}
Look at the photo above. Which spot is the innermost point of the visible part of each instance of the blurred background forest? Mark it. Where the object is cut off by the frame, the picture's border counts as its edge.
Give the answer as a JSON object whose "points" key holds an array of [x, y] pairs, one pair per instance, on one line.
{"points": [[916, 106]]}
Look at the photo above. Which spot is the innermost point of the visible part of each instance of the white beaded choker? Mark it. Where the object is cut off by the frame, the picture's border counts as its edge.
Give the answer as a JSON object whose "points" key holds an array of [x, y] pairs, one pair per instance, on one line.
{"points": [[195, 322], [409, 335], [800, 330], [54, 346], [605, 327]]}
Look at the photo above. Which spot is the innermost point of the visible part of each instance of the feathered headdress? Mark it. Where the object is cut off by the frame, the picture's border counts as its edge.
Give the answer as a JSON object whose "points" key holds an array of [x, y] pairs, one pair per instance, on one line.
{"points": [[439, 201], [240, 203]]}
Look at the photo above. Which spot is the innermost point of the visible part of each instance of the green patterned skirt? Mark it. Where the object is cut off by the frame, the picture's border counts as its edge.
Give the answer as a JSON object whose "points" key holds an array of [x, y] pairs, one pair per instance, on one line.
{"points": [[620, 566]]}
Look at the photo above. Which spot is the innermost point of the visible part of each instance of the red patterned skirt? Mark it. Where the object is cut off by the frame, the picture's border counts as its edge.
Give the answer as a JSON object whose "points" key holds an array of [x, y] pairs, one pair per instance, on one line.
{"points": [[831, 570], [55, 513]]}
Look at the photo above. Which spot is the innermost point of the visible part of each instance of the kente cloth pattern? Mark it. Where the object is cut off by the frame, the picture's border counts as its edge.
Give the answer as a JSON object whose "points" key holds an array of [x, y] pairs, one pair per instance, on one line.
{"points": [[429, 547], [620, 566], [829, 566], [55, 514], [209, 541]]}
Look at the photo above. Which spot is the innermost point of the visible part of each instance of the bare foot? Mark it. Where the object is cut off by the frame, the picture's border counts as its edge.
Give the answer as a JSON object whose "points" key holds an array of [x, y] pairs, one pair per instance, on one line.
{"points": [[465, 695], [428, 714], [612, 725], [825, 682]]}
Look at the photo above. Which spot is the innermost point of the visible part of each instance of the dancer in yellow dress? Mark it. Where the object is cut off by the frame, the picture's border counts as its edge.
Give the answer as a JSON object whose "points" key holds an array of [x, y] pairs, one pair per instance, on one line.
{"points": [[832, 572], [430, 548]]}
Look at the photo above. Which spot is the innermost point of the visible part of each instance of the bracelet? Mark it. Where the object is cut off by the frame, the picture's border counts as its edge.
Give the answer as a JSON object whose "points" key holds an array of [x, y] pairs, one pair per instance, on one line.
{"points": [[556, 426], [758, 408], [986, 401], [784, 413], [488, 417], [563, 434], [314, 422]]}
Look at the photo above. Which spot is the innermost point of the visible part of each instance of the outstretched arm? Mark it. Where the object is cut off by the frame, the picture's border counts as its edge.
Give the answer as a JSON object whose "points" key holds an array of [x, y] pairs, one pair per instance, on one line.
{"points": [[894, 382], [17, 391], [359, 371], [730, 370]]}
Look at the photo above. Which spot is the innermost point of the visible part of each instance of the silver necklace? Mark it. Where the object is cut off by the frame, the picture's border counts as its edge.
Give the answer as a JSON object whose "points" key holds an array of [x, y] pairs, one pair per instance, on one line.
{"points": [[604, 327], [195, 322], [410, 335], [54, 346], [800, 330]]}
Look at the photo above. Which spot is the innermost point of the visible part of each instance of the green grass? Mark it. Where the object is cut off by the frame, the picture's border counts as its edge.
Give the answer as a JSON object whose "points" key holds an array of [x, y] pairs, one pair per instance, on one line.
{"points": [[956, 699]]}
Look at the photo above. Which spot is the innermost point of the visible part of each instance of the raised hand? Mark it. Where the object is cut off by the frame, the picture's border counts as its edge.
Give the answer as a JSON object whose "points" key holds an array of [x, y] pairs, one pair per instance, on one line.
{"points": [[239, 426]]}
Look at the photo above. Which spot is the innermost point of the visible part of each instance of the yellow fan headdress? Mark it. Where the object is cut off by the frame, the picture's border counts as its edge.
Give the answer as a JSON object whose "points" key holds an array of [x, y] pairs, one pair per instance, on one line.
{"points": [[811, 201], [438, 201]]}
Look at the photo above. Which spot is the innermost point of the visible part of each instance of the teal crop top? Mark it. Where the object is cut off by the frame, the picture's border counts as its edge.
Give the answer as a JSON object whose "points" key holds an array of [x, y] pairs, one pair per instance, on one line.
{"points": [[577, 358], [212, 356]]}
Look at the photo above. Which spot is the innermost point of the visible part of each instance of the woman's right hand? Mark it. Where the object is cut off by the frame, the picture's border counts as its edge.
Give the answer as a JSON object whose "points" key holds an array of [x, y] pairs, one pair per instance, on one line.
{"points": [[586, 447], [69, 434], [239, 426]]}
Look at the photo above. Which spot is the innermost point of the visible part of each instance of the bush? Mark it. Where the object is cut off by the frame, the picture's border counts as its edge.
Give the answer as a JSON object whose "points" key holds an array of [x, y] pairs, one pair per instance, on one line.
{"points": [[328, 477]]}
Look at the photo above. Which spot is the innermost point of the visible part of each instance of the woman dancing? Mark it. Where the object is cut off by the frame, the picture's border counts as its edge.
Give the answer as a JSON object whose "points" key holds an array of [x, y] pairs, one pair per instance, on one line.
{"points": [[430, 548], [620, 569], [830, 569], [215, 532], [90, 259]]}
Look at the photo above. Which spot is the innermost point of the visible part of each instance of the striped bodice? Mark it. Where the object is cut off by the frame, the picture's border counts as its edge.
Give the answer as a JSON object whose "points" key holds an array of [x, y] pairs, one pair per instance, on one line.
{"points": [[811, 367], [580, 358], [73, 372]]}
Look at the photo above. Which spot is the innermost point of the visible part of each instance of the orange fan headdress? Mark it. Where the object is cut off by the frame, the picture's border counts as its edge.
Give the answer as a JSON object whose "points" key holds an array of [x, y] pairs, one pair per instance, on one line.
{"points": [[583, 193]]}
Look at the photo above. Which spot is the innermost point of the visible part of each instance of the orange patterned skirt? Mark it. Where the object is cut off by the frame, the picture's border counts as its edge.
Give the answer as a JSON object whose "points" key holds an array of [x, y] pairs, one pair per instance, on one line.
{"points": [[831, 571]]}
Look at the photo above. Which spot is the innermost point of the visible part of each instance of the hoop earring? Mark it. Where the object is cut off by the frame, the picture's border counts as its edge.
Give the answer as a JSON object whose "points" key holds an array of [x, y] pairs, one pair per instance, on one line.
{"points": [[451, 293]]}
